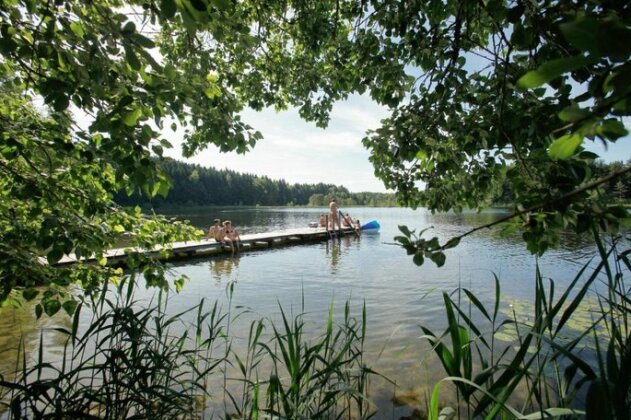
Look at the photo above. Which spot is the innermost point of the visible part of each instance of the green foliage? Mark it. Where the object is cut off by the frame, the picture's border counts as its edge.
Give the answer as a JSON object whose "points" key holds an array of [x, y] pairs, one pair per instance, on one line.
{"points": [[200, 186], [506, 93], [111, 74], [546, 350], [134, 359], [130, 360]]}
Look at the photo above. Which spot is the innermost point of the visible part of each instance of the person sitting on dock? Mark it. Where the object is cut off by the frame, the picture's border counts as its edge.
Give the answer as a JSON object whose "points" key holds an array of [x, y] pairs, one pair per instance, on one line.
{"points": [[347, 221], [232, 236], [323, 220], [333, 215], [214, 230]]}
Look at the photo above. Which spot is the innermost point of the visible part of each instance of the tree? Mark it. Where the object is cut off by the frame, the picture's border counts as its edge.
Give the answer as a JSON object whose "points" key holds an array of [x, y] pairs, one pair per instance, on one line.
{"points": [[464, 81], [503, 92], [87, 88]]}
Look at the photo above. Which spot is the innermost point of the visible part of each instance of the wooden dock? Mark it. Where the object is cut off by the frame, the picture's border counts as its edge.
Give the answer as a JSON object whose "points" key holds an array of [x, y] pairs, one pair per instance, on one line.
{"points": [[182, 250]]}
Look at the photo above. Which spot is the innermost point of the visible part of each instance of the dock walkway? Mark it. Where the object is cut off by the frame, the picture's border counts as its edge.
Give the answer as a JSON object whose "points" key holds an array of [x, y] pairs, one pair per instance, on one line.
{"points": [[181, 250]]}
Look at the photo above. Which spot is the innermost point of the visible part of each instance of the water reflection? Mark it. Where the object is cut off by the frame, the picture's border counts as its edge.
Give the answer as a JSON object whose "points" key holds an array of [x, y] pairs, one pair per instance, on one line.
{"points": [[222, 268], [333, 251], [20, 333]]}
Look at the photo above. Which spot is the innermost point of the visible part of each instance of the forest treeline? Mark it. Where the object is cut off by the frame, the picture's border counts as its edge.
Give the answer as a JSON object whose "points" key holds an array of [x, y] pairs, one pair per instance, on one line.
{"points": [[196, 185], [618, 189]]}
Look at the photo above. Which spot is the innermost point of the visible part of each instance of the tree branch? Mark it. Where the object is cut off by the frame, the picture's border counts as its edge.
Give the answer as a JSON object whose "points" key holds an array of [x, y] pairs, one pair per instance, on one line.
{"points": [[562, 198]]}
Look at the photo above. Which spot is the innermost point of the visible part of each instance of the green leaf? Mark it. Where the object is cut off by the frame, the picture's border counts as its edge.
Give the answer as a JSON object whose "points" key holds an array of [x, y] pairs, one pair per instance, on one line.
{"points": [[131, 57], [143, 41], [77, 29], [51, 307], [179, 284], [612, 129], [163, 188], [131, 118], [70, 306], [199, 5], [30, 293], [54, 255], [452, 243], [60, 102], [551, 70], [438, 258], [598, 36], [565, 146], [168, 8], [129, 28], [404, 229], [573, 113], [212, 92], [418, 258]]}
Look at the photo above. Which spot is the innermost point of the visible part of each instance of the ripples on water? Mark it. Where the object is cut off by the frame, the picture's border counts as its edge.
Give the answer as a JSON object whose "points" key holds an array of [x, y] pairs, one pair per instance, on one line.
{"points": [[399, 295]]}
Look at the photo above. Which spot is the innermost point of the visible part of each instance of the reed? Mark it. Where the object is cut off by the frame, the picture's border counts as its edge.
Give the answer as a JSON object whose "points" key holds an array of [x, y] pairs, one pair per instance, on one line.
{"points": [[133, 360], [129, 362], [547, 368]]}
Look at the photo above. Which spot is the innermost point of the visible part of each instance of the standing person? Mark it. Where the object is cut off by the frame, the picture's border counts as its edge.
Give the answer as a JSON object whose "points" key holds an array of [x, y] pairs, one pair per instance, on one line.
{"points": [[334, 214], [214, 230], [232, 235]]}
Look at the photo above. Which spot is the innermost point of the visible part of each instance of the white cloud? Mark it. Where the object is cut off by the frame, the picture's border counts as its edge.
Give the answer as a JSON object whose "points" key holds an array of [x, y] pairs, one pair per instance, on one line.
{"points": [[300, 152]]}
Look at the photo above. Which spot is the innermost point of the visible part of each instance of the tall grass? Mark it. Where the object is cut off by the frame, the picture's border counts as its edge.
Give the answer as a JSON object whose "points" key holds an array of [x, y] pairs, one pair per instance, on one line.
{"points": [[322, 376], [132, 360], [549, 368]]}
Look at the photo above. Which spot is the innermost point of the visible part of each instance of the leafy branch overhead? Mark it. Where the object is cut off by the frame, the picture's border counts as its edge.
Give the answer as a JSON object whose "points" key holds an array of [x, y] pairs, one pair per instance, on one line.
{"points": [[483, 95], [506, 96]]}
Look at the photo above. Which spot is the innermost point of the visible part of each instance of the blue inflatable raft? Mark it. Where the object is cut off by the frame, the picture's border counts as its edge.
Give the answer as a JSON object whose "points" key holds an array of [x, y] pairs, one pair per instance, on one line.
{"points": [[372, 225]]}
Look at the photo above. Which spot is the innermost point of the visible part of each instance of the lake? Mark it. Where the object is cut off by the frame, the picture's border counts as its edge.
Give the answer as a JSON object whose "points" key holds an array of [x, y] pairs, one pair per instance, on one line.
{"points": [[399, 296]]}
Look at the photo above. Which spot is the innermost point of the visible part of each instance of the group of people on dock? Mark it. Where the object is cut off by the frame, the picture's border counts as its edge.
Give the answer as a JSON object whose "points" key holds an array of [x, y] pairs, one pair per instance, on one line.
{"points": [[334, 219], [225, 234]]}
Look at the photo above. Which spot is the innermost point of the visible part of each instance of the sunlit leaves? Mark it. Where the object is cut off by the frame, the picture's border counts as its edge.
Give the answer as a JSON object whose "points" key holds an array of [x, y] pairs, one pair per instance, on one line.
{"points": [[131, 118], [565, 146], [552, 69]]}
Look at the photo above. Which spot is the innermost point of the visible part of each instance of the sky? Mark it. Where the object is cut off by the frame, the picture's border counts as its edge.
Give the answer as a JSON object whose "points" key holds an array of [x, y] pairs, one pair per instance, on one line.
{"points": [[299, 152]]}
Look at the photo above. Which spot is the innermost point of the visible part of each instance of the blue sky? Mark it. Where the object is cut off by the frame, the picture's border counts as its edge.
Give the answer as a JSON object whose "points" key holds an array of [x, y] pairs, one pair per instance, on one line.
{"points": [[299, 152]]}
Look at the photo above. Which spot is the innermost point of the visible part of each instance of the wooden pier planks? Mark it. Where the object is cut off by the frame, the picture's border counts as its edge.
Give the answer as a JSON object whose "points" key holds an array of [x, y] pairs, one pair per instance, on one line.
{"points": [[180, 250]]}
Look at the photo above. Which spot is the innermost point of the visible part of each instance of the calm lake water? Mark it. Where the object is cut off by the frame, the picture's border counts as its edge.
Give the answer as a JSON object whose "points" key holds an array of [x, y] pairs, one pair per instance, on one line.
{"points": [[399, 295]]}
